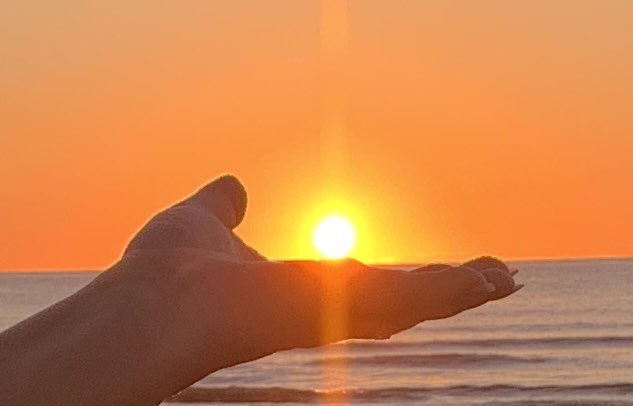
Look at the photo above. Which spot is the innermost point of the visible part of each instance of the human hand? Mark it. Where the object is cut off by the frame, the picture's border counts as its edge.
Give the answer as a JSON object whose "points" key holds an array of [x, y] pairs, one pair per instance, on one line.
{"points": [[188, 297], [236, 306]]}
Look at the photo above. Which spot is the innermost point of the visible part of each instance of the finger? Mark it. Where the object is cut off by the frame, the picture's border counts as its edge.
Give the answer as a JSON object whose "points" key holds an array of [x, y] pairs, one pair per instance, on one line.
{"points": [[462, 288], [514, 290], [431, 268], [392, 302], [225, 197], [502, 281], [487, 262], [322, 302]]}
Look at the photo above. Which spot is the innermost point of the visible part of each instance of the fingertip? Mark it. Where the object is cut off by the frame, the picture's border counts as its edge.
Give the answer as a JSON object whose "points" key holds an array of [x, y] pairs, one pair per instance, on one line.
{"points": [[487, 262], [470, 289], [226, 197], [490, 287], [515, 289], [501, 280], [461, 288], [462, 285], [231, 187]]}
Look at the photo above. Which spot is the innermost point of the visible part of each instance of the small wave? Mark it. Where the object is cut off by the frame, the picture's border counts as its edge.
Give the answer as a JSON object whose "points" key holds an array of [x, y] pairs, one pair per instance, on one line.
{"points": [[522, 327], [429, 361], [237, 394], [493, 342]]}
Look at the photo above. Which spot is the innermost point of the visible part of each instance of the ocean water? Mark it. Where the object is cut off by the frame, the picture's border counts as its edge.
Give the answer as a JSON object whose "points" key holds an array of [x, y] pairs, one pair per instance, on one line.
{"points": [[566, 338]]}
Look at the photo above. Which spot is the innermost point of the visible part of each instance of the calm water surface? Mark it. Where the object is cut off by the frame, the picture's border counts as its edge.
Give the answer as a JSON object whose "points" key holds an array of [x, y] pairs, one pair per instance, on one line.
{"points": [[566, 338]]}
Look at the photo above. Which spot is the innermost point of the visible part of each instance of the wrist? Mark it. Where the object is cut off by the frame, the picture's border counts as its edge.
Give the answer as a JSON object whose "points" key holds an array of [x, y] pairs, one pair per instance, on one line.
{"points": [[159, 342]]}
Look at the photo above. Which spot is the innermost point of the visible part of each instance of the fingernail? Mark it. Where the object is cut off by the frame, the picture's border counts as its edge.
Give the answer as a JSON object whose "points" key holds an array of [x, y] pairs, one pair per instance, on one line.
{"points": [[490, 287]]}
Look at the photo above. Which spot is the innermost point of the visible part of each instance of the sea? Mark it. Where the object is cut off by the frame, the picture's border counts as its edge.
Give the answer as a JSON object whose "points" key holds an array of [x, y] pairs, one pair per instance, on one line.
{"points": [[565, 339]]}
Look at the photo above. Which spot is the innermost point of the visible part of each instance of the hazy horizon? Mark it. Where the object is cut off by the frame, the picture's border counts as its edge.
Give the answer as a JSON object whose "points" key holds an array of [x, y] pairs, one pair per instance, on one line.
{"points": [[510, 261]]}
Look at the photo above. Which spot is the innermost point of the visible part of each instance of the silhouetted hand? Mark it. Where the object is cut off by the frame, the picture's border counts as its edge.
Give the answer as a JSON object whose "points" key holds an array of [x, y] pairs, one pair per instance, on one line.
{"points": [[189, 298]]}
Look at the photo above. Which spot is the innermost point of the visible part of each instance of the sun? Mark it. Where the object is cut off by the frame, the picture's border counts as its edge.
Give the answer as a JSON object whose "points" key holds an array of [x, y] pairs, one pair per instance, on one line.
{"points": [[334, 237]]}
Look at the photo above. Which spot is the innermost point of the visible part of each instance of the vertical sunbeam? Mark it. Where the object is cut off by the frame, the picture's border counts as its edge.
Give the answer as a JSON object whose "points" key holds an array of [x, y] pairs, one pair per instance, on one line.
{"points": [[333, 36], [333, 33]]}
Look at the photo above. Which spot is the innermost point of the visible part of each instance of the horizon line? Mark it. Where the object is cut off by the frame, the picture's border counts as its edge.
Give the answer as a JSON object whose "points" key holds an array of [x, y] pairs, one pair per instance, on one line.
{"points": [[403, 263]]}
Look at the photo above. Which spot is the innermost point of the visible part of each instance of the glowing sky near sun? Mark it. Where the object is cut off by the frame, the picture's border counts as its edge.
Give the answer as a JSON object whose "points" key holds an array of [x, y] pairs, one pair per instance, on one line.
{"points": [[441, 130]]}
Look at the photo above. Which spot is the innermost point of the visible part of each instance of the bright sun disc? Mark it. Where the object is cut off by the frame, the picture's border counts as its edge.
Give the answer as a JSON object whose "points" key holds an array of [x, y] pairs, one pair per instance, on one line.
{"points": [[334, 237]]}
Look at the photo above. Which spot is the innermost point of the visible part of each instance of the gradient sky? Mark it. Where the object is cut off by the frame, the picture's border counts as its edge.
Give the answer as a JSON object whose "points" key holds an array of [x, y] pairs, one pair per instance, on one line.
{"points": [[443, 129]]}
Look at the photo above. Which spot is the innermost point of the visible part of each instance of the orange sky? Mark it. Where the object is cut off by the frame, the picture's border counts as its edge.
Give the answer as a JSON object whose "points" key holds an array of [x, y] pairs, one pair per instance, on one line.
{"points": [[444, 129]]}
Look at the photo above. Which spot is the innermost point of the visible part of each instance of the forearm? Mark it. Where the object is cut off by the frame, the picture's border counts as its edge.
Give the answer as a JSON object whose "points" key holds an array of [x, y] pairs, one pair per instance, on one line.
{"points": [[99, 346], [126, 339]]}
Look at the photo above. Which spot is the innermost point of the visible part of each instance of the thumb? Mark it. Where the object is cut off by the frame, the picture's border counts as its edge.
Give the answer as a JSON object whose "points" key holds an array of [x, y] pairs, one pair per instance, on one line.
{"points": [[202, 220], [224, 197]]}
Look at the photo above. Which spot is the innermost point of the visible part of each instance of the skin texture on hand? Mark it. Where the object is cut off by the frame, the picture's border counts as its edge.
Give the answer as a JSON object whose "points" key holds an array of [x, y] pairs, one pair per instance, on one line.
{"points": [[189, 297]]}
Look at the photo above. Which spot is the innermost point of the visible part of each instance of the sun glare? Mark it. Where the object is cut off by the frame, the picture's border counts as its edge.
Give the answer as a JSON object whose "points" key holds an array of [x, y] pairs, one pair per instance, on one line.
{"points": [[334, 237]]}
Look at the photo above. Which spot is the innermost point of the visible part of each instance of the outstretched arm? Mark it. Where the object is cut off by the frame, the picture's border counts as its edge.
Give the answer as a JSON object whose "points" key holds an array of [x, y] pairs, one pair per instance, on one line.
{"points": [[189, 298]]}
